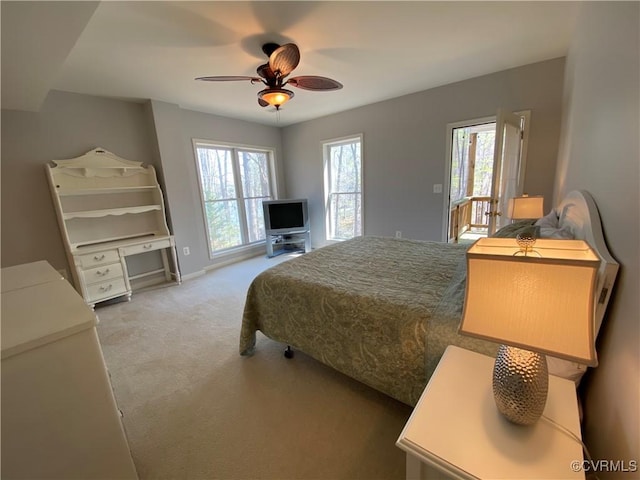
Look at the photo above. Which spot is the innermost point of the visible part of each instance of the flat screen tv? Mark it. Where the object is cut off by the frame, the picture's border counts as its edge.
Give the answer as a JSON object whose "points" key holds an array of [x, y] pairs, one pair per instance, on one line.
{"points": [[285, 216]]}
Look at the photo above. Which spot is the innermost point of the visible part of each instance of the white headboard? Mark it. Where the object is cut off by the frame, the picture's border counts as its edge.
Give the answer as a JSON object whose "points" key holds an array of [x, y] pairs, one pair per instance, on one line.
{"points": [[578, 212]]}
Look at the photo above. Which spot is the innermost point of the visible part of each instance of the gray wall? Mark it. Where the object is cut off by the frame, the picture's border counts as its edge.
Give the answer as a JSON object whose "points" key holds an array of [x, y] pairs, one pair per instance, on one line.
{"points": [[404, 147], [68, 125], [600, 153]]}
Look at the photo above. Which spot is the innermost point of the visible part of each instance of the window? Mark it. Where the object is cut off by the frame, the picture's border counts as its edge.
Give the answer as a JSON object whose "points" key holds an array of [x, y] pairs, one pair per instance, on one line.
{"points": [[343, 188], [472, 161], [233, 182]]}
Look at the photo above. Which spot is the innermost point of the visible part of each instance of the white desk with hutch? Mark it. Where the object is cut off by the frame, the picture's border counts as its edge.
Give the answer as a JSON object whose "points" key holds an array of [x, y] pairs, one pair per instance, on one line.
{"points": [[109, 210]]}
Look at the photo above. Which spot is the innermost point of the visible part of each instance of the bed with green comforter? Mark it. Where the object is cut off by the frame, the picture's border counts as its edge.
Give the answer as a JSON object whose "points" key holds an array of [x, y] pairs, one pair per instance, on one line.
{"points": [[379, 310]]}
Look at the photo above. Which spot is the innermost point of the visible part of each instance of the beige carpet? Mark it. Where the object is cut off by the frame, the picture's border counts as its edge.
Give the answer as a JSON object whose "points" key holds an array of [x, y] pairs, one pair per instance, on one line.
{"points": [[195, 409]]}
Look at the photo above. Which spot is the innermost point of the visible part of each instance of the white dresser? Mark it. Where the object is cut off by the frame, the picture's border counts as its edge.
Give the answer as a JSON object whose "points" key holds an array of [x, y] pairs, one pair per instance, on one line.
{"points": [[59, 414]]}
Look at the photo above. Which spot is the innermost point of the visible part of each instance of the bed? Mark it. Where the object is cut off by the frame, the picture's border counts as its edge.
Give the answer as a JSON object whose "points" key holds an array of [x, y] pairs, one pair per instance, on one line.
{"points": [[383, 310]]}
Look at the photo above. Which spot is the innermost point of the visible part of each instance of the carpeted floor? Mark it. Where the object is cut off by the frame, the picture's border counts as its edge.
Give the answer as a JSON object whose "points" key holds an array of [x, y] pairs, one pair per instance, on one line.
{"points": [[195, 409]]}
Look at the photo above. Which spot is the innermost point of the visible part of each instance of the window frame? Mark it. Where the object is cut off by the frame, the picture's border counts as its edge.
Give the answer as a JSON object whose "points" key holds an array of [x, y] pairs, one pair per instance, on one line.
{"points": [[326, 146], [240, 197]]}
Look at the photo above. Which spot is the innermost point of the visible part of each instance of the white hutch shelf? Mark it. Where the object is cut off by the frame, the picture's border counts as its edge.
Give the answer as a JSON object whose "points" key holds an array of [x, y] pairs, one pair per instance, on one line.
{"points": [[110, 209]]}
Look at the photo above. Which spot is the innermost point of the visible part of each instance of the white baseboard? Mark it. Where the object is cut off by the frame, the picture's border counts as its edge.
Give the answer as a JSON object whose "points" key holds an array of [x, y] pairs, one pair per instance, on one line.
{"points": [[227, 259], [191, 276], [223, 261]]}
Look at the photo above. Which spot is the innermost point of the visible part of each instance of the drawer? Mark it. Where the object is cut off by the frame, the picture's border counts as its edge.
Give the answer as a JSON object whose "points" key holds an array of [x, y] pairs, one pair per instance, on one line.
{"points": [[146, 247], [99, 258], [102, 273], [107, 289]]}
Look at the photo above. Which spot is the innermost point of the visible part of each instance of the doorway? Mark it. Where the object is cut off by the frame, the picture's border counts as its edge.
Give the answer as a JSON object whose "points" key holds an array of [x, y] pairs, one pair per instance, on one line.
{"points": [[486, 159]]}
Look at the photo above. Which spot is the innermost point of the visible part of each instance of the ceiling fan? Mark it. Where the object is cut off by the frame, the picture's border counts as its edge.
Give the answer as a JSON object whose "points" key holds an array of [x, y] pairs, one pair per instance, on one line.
{"points": [[282, 61]]}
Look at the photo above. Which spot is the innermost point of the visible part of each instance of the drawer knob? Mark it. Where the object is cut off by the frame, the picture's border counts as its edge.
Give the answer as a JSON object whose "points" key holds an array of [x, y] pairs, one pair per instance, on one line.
{"points": [[98, 258], [102, 274], [106, 289]]}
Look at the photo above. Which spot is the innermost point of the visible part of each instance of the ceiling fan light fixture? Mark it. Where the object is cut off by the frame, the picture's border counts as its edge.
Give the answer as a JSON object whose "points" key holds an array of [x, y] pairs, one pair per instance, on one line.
{"points": [[276, 97]]}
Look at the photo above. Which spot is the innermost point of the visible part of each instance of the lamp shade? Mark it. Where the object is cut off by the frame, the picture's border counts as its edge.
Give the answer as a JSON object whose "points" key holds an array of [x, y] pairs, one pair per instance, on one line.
{"points": [[525, 207], [276, 97], [543, 302]]}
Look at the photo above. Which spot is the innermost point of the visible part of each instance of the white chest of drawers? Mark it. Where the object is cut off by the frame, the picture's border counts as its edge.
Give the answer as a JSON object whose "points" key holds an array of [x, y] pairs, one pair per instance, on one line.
{"points": [[59, 414]]}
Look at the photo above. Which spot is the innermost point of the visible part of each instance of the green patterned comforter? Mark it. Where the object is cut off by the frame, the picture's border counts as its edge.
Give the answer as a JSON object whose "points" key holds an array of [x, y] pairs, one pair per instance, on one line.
{"points": [[380, 310]]}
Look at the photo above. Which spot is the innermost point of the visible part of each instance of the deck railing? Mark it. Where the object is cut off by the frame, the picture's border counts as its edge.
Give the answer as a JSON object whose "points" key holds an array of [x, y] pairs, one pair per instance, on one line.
{"points": [[468, 213]]}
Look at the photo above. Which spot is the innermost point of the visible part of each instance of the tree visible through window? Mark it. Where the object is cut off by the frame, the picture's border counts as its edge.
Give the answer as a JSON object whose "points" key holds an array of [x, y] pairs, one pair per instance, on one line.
{"points": [[472, 161], [234, 182], [343, 188]]}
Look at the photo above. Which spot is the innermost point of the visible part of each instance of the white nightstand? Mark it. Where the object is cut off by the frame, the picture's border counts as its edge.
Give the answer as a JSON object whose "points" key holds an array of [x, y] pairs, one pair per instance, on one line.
{"points": [[456, 431]]}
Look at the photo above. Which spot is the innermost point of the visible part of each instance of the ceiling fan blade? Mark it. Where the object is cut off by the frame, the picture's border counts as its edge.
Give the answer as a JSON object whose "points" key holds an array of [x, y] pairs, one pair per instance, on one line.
{"points": [[228, 78], [265, 72], [262, 103], [284, 59], [269, 47], [314, 82]]}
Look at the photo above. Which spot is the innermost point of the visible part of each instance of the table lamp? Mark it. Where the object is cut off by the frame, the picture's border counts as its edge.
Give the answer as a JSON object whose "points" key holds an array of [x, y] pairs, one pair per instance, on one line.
{"points": [[525, 207], [534, 305]]}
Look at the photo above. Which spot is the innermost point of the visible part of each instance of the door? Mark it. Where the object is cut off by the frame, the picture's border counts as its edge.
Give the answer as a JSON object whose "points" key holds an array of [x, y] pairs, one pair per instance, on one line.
{"points": [[508, 169], [486, 168]]}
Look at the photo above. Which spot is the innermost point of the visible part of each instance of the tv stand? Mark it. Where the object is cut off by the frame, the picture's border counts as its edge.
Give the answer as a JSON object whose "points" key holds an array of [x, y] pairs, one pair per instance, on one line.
{"points": [[295, 241]]}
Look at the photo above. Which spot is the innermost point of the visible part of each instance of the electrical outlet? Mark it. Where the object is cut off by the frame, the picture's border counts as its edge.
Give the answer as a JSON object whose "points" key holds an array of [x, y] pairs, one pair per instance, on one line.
{"points": [[437, 188], [186, 251], [398, 234]]}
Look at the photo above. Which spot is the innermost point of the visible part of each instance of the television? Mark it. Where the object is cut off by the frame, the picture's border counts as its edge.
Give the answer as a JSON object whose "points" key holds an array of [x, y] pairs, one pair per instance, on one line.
{"points": [[285, 216]]}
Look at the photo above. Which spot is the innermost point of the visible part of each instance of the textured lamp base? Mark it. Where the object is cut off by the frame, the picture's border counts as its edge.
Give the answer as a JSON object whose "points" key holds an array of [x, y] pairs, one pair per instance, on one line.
{"points": [[520, 384]]}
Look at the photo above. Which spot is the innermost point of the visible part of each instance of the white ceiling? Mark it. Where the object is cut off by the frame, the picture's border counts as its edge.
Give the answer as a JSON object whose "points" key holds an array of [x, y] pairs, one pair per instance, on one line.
{"points": [[378, 50]]}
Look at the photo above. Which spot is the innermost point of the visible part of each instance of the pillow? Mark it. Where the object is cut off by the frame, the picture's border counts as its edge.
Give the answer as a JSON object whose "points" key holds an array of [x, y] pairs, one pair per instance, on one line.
{"points": [[550, 220], [513, 229], [557, 233], [549, 227]]}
